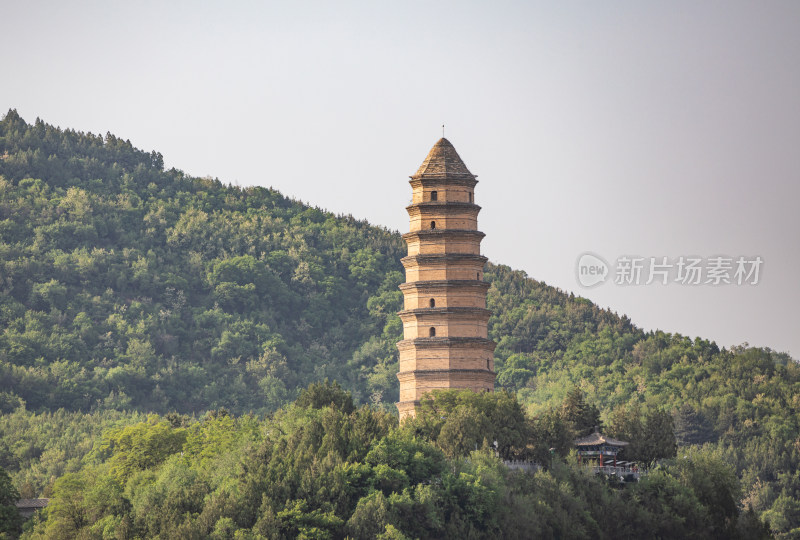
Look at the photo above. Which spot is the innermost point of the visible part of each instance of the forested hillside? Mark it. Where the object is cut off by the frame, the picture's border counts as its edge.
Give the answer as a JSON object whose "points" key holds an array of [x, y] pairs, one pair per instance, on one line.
{"points": [[323, 468], [127, 289]]}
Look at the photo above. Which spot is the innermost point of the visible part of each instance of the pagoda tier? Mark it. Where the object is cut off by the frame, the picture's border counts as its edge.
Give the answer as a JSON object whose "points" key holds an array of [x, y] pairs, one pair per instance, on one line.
{"points": [[445, 293], [449, 266], [439, 241], [445, 320]]}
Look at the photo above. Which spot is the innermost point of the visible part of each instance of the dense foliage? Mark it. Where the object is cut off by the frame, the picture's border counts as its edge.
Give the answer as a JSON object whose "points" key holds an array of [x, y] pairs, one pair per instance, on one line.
{"points": [[334, 471], [10, 519], [127, 289]]}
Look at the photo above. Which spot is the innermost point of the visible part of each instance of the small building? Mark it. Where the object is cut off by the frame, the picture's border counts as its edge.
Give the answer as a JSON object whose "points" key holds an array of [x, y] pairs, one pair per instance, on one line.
{"points": [[601, 451], [28, 507]]}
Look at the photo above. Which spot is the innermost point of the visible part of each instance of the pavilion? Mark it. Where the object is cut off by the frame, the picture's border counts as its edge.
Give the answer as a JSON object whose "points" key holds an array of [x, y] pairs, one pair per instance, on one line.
{"points": [[600, 449]]}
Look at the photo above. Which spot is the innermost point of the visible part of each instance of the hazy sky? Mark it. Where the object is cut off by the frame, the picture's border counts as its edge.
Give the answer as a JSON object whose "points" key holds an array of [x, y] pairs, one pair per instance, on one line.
{"points": [[637, 129]]}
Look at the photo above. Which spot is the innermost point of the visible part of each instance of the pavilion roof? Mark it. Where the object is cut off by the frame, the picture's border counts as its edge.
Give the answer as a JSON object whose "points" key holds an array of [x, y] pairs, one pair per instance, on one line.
{"points": [[32, 503], [596, 438]]}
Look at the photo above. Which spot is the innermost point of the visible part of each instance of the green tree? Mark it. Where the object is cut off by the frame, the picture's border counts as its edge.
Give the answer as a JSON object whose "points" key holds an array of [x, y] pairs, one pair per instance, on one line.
{"points": [[298, 521], [715, 485], [67, 513], [651, 436], [582, 416], [658, 441], [326, 394], [463, 430], [691, 426], [10, 520], [665, 507], [460, 421], [549, 435], [141, 446]]}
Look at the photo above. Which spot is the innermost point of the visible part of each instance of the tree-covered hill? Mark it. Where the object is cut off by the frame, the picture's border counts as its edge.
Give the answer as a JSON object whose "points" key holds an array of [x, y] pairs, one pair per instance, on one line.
{"points": [[325, 469], [127, 286], [128, 289]]}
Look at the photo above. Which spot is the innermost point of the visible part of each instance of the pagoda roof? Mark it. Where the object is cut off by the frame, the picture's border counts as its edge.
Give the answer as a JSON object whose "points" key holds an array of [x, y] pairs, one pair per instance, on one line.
{"points": [[443, 162], [32, 503], [597, 438]]}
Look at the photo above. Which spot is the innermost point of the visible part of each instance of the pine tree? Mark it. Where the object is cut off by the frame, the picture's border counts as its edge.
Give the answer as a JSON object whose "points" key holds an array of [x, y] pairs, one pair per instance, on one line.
{"points": [[582, 416]]}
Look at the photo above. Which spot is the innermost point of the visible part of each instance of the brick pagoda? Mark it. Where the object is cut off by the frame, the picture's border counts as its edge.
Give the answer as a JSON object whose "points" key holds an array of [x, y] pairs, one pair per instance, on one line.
{"points": [[445, 342]]}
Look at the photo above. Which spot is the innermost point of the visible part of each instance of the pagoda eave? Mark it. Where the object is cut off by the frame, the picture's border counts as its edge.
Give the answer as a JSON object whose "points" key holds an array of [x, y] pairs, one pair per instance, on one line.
{"points": [[446, 343], [437, 373], [446, 311], [442, 180], [441, 284], [444, 205], [434, 258], [445, 234]]}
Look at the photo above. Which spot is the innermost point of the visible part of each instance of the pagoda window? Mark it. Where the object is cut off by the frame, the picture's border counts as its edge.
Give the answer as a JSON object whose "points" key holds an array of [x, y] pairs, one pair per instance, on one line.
{"points": [[432, 332], [433, 302], [434, 195], [433, 224], [470, 196]]}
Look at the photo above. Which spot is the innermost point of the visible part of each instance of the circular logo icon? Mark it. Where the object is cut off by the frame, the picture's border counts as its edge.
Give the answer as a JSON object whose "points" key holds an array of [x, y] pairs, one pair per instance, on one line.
{"points": [[591, 270]]}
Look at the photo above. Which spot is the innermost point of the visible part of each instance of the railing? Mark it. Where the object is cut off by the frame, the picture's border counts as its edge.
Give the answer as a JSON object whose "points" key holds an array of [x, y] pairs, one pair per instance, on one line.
{"points": [[622, 472], [522, 465], [609, 470]]}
